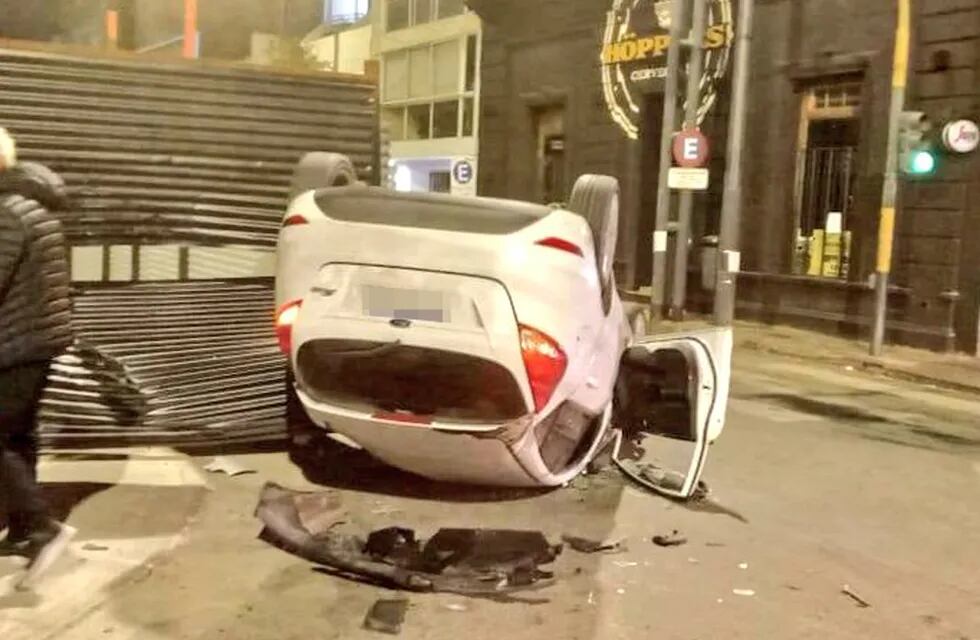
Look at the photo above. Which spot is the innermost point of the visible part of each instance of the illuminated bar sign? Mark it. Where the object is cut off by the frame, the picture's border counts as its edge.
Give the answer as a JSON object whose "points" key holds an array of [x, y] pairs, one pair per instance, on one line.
{"points": [[634, 55]]}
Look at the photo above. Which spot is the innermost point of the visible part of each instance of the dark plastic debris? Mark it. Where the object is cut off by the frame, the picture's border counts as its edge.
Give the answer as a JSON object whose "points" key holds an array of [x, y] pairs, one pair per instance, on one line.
{"points": [[463, 561], [585, 545], [671, 540], [386, 616]]}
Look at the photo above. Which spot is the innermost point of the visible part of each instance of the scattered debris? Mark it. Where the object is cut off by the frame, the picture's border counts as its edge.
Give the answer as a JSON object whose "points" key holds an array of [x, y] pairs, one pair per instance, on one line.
{"points": [[91, 546], [714, 544], [591, 597], [386, 616], [302, 439], [385, 510], [585, 545], [319, 511], [720, 600], [344, 440], [743, 592], [620, 591], [456, 606], [671, 540], [228, 466], [743, 565], [463, 561], [657, 480], [693, 560], [847, 591], [623, 565], [793, 587]]}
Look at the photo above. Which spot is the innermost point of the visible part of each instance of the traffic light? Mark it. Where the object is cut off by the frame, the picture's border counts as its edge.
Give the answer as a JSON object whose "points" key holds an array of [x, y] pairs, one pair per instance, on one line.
{"points": [[916, 153]]}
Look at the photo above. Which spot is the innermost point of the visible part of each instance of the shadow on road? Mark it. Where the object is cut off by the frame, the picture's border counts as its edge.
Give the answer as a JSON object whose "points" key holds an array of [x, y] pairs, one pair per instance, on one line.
{"points": [[62, 498], [326, 462], [850, 414]]}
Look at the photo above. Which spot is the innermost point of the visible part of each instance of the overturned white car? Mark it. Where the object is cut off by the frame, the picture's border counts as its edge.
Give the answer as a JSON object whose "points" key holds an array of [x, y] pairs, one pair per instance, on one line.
{"points": [[478, 340]]}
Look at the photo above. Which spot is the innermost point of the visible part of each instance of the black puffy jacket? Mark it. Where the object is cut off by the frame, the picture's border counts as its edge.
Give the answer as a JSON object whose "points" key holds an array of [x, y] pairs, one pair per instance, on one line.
{"points": [[35, 303]]}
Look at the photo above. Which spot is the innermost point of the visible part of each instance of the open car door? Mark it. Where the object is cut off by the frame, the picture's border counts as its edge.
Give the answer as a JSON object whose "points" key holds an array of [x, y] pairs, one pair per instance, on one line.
{"points": [[673, 386]]}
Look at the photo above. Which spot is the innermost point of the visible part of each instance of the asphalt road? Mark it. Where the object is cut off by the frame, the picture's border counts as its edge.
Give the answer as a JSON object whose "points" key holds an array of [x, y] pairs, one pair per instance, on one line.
{"points": [[828, 477]]}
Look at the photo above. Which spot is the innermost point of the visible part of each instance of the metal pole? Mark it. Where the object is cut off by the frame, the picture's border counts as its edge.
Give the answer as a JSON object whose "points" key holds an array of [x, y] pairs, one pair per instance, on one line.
{"points": [[729, 258], [190, 48], [886, 219], [678, 292], [659, 281]]}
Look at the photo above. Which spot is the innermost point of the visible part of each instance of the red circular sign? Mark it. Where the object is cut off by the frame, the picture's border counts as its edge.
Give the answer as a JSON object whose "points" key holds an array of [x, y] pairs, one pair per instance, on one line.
{"points": [[691, 149]]}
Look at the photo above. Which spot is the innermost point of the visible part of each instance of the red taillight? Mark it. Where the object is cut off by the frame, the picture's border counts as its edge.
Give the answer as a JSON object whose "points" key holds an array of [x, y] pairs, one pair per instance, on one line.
{"points": [[545, 363], [405, 417], [285, 320], [294, 220], [561, 245]]}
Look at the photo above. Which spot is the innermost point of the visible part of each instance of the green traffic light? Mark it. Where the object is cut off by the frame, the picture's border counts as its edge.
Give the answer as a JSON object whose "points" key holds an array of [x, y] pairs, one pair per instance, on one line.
{"points": [[923, 162]]}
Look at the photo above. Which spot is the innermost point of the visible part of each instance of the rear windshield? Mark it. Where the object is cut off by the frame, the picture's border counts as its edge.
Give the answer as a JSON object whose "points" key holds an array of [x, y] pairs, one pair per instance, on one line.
{"points": [[394, 377], [428, 211]]}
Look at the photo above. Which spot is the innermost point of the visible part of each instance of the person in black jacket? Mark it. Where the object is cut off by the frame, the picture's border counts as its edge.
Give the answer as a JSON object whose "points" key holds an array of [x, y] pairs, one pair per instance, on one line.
{"points": [[35, 327]]}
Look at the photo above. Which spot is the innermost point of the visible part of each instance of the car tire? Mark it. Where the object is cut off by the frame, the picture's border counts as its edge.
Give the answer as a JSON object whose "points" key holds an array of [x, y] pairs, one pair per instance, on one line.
{"points": [[319, 170], [596, 198]]}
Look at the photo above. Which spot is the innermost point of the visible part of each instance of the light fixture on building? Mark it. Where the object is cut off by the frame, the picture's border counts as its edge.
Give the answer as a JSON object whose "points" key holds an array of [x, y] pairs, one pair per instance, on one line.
{"points": [[403, 178]]}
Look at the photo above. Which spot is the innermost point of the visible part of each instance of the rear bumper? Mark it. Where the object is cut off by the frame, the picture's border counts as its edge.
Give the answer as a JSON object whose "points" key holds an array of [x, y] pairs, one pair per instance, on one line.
{"points": [[471, 457]]}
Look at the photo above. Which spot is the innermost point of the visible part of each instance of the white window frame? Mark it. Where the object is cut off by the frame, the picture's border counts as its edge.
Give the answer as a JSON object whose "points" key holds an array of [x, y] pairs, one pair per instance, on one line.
{"points": [[461, 95], [434, 14], [330, 18]]}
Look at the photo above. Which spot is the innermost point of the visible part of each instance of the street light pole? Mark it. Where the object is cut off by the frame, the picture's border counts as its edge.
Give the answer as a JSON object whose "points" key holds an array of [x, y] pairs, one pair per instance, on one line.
{"points": [[886, 219], [658, 285], [728, 258], [678, 292]]}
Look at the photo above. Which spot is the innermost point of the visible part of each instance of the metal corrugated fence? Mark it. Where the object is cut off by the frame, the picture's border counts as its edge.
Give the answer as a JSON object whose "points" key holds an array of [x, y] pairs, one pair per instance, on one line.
{"points": [[164, 152], [162, 159], [174, 363]]}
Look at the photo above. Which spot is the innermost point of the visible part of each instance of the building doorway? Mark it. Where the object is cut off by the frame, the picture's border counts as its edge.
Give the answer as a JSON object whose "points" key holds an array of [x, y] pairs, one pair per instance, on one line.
{"points": [[551, 176]]}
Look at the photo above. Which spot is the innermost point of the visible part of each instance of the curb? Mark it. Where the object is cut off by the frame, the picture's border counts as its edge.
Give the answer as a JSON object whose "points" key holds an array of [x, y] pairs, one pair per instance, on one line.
{"points": [[869, 363], [914, 376]]}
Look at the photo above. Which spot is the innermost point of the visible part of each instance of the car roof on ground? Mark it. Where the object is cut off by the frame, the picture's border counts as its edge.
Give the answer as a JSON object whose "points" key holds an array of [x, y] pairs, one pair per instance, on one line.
{"points": [[376, 205]]}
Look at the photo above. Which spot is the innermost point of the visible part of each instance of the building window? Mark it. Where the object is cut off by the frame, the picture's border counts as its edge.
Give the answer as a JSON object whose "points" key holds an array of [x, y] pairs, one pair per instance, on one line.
{"points": [[440, 182], [428, 92], [449, 8], [468, 105], [398, 14], [409, 13], [826, 151], [471, 57], [419, 121], [445, 119], [345, 11]]}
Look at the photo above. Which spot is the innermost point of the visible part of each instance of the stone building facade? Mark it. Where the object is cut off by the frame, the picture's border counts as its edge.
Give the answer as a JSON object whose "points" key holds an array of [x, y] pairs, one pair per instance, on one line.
{"points": [[558, 101]]}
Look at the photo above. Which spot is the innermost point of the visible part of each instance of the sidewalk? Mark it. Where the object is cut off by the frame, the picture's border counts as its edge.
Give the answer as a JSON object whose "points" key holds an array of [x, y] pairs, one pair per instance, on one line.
{"points": [[948, 370]]}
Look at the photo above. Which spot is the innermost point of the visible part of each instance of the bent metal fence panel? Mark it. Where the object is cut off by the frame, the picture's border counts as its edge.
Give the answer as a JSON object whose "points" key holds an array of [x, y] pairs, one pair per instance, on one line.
{"points": [[178, 172]]}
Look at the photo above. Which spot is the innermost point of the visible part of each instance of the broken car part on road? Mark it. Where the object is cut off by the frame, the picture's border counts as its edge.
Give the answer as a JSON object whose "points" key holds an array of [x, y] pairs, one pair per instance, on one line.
{"points": [[584, 545], [386, 616], [672, 540], [462, 561]]}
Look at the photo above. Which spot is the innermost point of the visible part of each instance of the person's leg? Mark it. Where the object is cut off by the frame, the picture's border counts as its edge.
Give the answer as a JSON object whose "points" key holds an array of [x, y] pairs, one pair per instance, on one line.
{"points": [[20, 393], [45, 539]]}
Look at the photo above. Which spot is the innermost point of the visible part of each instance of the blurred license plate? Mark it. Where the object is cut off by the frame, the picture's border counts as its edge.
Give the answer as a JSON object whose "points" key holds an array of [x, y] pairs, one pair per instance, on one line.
{"points": [[406, 304]]}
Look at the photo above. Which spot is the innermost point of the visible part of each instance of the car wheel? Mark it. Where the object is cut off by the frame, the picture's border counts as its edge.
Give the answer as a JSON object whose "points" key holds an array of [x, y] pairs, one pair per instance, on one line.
{"points": [[319, 170], [596, 198]]}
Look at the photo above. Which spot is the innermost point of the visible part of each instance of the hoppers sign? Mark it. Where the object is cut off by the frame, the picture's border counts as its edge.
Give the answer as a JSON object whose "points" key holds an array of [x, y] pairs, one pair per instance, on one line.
{"points": [[634, 55]]}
